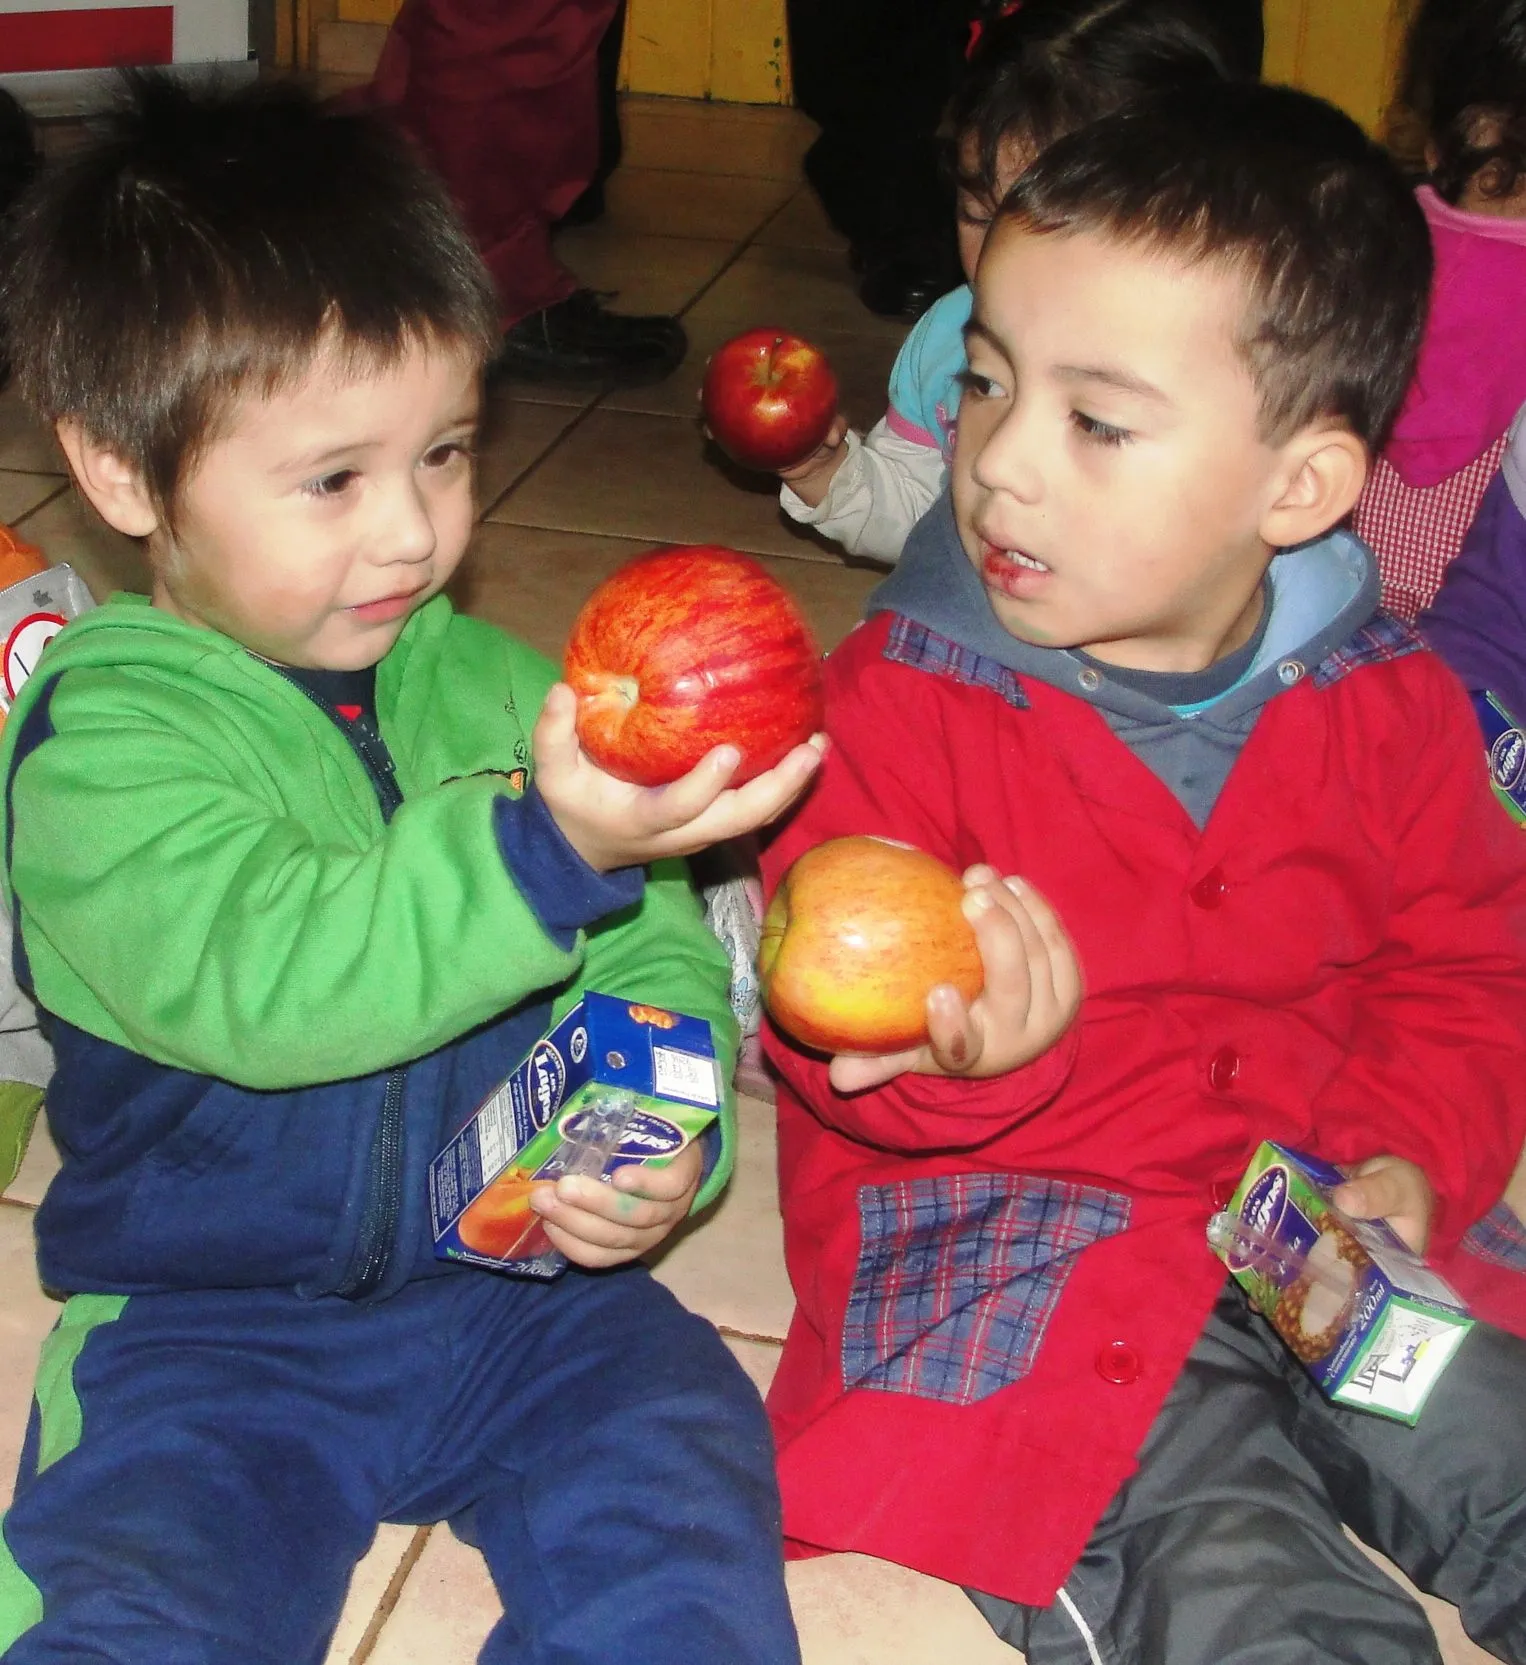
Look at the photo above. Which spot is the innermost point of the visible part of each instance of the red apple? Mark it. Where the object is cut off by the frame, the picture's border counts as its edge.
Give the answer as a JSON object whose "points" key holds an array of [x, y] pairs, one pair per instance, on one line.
{"points": [[858, 932], [685, 649], [768, 399]]}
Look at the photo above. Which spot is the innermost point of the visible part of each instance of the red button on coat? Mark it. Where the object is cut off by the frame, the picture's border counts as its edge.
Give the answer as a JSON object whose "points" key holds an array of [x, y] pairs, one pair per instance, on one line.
{"points": [[1223, 1069], [1209, 892], [1118, 1363], [1221, 1192]]}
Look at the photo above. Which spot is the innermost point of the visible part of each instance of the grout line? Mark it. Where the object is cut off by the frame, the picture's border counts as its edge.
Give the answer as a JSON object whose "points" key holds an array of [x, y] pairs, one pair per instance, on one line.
{"points": [[37, 508], [389, 1598], [18, 1202], [535, 462], [732, 1334]]}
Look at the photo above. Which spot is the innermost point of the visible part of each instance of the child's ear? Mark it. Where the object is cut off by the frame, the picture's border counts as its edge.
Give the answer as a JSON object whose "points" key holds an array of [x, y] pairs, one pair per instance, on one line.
{"points": [[1325, 470], [114, 487]]}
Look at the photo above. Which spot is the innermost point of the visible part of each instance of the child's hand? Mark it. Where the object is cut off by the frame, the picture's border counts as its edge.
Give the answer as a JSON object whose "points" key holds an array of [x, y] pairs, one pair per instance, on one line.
{"points": [[611, 823], [1032, 992], [1392, 1189], [597, 1224], [810, 479]]}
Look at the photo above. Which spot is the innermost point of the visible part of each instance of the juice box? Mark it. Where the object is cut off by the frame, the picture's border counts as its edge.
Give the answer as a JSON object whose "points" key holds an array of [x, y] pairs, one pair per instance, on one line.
{"points": [[1372, 1324], [1506, 745], [615, 1082]]}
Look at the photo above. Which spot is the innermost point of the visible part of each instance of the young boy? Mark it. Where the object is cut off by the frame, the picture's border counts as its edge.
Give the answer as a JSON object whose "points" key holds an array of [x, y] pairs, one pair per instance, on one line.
{"points": [[1127, 660], [302, 863]]}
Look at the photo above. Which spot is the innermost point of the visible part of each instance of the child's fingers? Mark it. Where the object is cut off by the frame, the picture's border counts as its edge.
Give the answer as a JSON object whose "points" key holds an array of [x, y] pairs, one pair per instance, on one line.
{"points": [[857, 1072], [745, 808], [1053, 967], [554, 739], [675, 1182], [953, 1031], [596, 1213], [1389, 1188], [1008, 939]]}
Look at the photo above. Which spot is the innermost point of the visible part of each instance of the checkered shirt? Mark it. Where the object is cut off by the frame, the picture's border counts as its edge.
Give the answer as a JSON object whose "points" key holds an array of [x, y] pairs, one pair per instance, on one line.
{"points": [[1416, 531]]}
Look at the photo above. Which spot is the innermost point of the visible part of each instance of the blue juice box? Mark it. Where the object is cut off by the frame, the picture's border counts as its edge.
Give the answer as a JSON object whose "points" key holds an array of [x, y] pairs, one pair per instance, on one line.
{"points": [[1505, 743], [614, 1083], [1371, 1323]]}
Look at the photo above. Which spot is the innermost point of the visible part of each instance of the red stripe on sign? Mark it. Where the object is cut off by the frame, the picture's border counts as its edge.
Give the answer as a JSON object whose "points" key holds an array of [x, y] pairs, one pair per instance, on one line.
{"points": [[105, 37]]}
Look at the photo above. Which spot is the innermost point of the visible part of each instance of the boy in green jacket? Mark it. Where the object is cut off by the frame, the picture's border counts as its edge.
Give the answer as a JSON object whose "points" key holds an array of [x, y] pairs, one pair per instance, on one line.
{"points": [[301, 864]]}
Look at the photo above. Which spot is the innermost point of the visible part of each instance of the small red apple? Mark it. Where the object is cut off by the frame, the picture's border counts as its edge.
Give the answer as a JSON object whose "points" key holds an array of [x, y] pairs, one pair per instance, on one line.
{"points": [[858, 932], [685, 649], [768, 398]]}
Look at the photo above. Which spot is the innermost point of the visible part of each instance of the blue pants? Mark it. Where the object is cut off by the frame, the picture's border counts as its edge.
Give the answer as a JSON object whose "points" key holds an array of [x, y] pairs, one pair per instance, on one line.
{"points": [[224, 1457]]}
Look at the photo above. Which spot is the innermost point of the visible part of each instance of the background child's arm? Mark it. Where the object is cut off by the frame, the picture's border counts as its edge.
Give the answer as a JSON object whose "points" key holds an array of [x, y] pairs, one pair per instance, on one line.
{"points": [[865, 494], [1433, 1074]]}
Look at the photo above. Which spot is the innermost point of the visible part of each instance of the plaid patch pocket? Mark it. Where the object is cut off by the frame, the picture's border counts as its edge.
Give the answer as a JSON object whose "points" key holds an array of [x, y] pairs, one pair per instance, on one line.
{"points": [[1499, 1238], [958, 1277]]}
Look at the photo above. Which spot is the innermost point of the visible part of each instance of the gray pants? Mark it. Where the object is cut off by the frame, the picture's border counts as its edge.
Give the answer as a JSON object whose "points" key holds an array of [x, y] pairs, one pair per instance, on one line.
{"points": [[1226, 1547]]}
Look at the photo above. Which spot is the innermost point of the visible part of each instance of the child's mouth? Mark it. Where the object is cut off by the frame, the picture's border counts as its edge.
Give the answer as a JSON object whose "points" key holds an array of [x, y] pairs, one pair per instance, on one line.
{"points": [[389, 607], [1010, 570]]}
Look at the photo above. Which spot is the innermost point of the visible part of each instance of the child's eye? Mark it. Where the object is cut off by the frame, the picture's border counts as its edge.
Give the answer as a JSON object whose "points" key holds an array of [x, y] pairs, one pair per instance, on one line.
{"points": [[972, 382], [1100, 433], [331, 485], [440, 456]]}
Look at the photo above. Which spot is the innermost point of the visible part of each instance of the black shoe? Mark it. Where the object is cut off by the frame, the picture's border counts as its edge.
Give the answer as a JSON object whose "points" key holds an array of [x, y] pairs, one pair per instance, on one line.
{"points": [[903, 288], [578, 341]]}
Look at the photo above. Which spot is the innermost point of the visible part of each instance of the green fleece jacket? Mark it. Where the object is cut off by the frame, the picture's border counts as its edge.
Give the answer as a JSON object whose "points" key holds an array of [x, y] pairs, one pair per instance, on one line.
{"points": [[203, 876]]}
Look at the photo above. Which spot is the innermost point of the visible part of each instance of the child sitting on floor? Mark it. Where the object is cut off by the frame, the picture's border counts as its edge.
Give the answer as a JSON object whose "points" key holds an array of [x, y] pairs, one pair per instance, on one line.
{"points": [[1127, 659], [1465, 84], [1047, 68], [302, 863]]}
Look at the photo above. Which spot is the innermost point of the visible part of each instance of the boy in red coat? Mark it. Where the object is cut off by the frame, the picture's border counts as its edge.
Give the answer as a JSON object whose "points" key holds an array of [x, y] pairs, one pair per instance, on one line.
{"points": [[1127, 659]]}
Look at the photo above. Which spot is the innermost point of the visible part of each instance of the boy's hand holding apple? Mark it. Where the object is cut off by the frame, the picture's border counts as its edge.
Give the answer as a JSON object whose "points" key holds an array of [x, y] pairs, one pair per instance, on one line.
{"points": [[1031, 996], [612, 823]]}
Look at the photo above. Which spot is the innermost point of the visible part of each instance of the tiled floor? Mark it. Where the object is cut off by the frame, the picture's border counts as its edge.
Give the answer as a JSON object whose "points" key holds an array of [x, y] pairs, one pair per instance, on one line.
{"points": [[706, 218]]}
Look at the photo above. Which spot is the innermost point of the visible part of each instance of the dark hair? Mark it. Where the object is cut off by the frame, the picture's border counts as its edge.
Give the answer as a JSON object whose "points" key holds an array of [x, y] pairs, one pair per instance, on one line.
{"points": [[1053, 65], [212, 242], [1465, 84], [1284, 188]]}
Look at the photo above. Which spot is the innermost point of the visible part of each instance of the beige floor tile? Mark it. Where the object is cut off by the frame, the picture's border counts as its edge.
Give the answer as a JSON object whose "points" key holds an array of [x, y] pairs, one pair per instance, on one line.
{"points": [[861, 364], [37, 1169], [65, 530], [651, 203], [25, 443], [445, 1610], [626, 474], [531, 582], [370, 1587], [729, 1266], [26, 1316], [21, 494], [643, 274], [803, 224], [852, 1610], [806, 290], [690, 137], [516, 433]]}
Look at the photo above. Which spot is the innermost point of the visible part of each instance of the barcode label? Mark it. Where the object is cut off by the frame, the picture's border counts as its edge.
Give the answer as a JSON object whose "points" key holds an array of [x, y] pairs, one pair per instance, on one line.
{"points": [[684, 1075]]}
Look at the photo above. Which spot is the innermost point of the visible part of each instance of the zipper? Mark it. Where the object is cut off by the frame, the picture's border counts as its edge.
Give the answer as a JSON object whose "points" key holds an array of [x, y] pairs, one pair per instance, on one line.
{"points": [[377, 1233]]}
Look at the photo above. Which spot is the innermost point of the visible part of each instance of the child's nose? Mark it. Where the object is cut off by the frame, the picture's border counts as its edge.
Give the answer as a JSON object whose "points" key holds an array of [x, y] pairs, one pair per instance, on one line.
{"points": [[409, 533], [1009, 460]]}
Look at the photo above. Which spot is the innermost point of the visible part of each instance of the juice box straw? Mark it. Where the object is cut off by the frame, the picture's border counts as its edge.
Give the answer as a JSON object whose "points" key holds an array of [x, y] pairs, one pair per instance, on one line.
{"points": [[1230, 1234]]}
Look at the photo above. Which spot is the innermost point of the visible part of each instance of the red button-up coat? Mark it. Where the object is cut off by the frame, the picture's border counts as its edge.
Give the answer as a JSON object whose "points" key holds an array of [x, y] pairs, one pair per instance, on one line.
{"points": [[998, 1281]]}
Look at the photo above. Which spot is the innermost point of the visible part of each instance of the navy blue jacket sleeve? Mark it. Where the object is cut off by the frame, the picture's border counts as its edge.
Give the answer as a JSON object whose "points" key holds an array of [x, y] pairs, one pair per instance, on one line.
{"points": [[565, 893]]}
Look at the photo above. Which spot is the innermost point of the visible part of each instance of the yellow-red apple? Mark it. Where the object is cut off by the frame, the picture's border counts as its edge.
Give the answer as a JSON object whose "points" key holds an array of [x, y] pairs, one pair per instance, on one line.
{"points": [[857, 934]]}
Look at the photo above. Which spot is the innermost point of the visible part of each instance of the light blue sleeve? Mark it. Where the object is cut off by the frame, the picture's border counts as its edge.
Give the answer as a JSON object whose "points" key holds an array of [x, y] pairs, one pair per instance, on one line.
{"points": [[924, 387]]}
